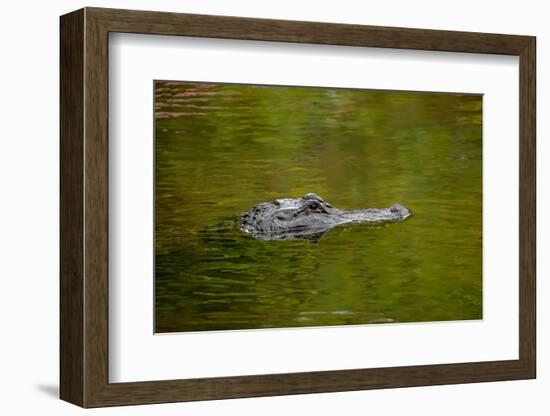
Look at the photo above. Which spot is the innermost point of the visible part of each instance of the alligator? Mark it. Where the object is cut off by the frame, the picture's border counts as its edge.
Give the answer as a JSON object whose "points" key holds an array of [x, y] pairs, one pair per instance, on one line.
{"points": [[309, 218]]}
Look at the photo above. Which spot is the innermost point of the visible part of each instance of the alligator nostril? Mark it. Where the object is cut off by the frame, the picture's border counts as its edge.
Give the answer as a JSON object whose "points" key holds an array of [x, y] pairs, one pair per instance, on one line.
{"points": [[396, 208]]}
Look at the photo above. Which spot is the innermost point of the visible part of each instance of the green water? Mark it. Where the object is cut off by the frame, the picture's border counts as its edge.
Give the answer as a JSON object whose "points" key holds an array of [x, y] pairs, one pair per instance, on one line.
{"points": [[221, 149]]}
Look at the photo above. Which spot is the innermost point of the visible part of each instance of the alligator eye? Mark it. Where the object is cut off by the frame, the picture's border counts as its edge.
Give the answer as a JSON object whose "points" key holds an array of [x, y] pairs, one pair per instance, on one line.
{"points": [[315, 207]]}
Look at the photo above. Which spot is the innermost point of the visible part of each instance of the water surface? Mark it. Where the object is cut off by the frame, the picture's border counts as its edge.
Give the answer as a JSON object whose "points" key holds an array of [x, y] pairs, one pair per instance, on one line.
{"points": [[220, 149]]}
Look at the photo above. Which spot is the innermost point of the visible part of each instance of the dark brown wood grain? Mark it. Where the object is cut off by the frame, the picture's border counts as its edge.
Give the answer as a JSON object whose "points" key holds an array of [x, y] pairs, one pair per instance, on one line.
{"points": [[527, 207], [71, 100], [84, 207]]}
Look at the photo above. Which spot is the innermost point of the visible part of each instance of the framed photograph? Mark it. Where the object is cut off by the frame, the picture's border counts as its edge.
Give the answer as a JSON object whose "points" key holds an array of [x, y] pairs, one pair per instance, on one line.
{"points": [[254, 207]]}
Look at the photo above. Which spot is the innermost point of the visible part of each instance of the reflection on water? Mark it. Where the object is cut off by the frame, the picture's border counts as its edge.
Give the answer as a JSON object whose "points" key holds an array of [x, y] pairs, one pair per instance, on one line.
{"points": [[221, 149]]}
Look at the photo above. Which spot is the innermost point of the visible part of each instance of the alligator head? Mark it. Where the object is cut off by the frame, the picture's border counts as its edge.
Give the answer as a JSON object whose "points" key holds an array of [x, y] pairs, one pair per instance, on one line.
{"points": [[309, 218]]}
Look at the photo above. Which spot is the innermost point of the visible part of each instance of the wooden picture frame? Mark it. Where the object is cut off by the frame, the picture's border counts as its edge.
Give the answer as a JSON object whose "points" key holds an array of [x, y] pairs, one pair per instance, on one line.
{"points": [[84, 207]]}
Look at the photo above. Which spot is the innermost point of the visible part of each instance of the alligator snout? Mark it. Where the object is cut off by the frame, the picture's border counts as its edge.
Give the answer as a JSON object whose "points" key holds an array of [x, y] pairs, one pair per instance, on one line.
{"points": [[400, 210]]}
